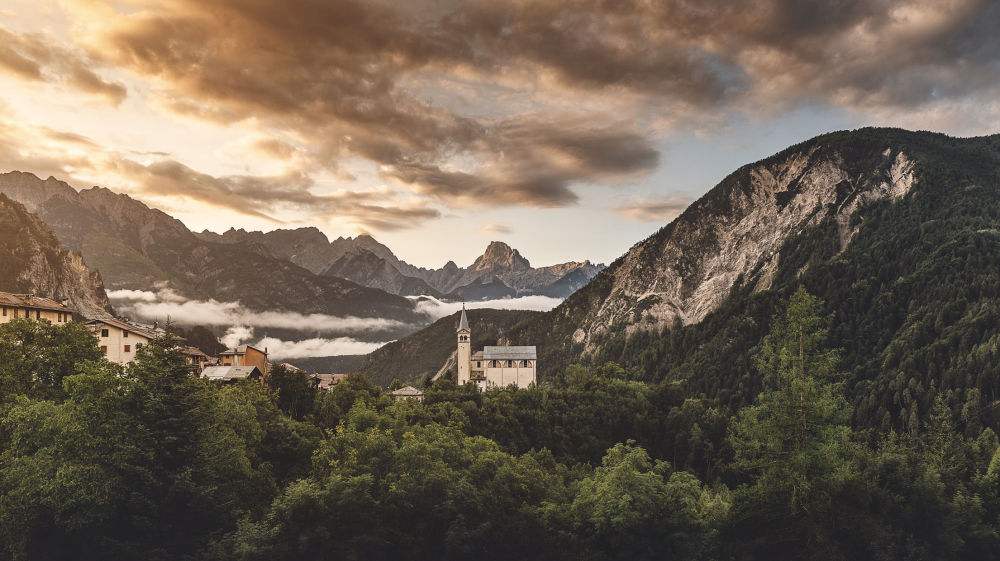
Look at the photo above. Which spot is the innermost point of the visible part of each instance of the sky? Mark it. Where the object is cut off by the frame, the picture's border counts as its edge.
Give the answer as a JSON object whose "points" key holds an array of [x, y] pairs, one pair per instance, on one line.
{"points": [[571, 130]]}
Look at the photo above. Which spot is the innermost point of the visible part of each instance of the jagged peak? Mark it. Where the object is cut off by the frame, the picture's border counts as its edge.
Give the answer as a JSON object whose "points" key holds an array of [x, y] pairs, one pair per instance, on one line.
{"points": [[500, 255]]}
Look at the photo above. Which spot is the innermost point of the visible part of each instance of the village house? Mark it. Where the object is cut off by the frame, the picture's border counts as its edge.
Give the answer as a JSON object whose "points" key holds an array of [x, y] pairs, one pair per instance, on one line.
{"points": [[496, 366], [409, 392], [29, 306], [246, 355], [197, 360], [228, 374], [327, 381], [121, 340]]}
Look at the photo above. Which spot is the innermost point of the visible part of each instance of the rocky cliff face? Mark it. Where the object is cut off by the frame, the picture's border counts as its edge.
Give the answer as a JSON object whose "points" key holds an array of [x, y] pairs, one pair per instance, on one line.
{"points": [[33, 261], [732, 236]]}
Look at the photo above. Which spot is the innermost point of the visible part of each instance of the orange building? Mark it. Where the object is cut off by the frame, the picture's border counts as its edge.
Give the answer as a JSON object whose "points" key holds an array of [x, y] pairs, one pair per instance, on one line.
{"points": [[246, 355]]}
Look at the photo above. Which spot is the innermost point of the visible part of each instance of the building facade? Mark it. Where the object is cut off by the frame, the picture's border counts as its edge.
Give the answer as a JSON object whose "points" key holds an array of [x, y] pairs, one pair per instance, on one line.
{"points": [[119, 340], [246, 355], [29, 306], [496, 366]]}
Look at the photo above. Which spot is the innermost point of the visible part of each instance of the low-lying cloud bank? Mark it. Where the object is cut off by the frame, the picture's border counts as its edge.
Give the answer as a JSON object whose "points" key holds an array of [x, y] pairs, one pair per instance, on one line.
{"points": [[167, 304], [437, 309], [279, 349]]}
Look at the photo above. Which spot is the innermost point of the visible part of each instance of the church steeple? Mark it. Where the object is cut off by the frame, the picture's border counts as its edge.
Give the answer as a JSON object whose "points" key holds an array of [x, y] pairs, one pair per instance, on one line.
{"points": [[464, 354]]}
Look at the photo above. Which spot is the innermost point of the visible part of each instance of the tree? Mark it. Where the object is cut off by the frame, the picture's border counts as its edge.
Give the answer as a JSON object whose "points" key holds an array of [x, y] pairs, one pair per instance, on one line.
{"points": [[35, 357], [294, 392], [793, 442]]}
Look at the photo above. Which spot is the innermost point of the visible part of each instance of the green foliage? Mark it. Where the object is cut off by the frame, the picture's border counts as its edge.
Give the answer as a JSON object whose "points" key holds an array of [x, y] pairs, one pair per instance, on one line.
{"points": [[35, 357]]}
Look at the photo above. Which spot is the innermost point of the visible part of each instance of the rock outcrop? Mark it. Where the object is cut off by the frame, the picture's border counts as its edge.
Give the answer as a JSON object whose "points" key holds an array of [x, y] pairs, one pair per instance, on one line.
{"points": [[33, 261]]}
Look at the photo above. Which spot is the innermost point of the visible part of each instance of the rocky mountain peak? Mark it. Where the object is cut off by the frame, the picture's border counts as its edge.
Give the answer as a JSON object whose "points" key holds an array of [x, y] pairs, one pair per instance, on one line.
{"points": [[500, 256]]}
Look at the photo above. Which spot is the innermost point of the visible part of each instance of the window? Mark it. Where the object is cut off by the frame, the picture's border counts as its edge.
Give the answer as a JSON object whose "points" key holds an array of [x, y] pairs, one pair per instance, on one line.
{"points": [[125, 334], [104, 333], [525, 364], [510, 364], [5, 311], [38, 314], [104, 349], [128, 348], [478, 364]]}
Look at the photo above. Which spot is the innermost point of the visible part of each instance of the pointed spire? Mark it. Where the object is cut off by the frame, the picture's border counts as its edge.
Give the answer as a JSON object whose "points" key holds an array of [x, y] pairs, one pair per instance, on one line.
{"points": [[463, 324]]}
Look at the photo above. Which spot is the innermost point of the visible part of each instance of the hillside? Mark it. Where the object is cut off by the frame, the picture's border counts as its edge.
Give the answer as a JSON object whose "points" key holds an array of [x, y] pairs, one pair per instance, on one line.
{"points": [[35, 262], [423, 353], [899, 233]]}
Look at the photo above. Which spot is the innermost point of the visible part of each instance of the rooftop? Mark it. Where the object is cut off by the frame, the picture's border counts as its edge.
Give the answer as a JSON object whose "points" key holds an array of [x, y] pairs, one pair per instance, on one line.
{"points": [[227, 373], [407, 391], [140, 330], [241, 350], [31, 301], [509, 353]]}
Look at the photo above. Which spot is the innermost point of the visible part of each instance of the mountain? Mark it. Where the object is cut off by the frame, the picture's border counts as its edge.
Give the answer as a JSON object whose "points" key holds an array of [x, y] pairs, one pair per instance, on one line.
{"points": [[136, 247], [898, 232], [368, 269], [423, 353], [499, 272], [35, 262]]}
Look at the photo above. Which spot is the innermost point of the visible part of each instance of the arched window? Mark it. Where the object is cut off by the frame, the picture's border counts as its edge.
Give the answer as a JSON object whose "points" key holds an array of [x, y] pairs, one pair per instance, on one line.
{"points": [[525, 364]]}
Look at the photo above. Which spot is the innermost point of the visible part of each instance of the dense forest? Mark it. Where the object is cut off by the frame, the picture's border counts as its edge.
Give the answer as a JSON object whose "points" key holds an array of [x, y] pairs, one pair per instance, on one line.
{"points": [[150, 462]]}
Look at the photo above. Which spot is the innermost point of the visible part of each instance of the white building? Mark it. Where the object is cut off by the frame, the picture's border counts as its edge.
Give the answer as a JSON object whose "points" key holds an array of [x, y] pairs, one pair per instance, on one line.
{"points": [[494, 366], [120, 340]]}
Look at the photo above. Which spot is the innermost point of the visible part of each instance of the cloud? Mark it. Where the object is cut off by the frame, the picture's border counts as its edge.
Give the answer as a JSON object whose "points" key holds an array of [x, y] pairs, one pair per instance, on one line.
{"points": [[35, 58], [279, 349], [493, 228], [166, 304], [437, 309], [654, 209]]}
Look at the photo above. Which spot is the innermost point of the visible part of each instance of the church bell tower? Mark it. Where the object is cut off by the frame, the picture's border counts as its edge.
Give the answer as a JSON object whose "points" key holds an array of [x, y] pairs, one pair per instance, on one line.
{"points": [[464, 355]]}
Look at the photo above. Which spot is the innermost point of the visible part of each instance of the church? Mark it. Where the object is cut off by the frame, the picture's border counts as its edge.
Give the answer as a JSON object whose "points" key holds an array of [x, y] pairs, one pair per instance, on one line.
{"points": [[493, 366]]}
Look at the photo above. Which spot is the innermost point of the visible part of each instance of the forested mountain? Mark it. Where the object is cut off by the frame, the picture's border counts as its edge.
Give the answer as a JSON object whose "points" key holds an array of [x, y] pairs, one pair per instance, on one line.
{"points": [[898, 232], [33, 261], [136, 247]]}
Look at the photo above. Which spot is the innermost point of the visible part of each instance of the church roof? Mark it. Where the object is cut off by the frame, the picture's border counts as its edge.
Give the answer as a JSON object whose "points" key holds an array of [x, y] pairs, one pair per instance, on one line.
{"points": [[407, 391], [463, 324], [509, 353]]}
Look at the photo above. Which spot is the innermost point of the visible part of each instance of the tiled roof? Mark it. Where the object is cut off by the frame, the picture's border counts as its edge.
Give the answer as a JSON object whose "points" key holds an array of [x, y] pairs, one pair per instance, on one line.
{"points": [[126, 326], [509, 353], [31, 301], [407, 391]]}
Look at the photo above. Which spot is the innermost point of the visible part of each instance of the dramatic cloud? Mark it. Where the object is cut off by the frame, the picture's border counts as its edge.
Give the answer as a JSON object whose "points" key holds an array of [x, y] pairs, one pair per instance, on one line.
{"points": [[166, 304], [437, 309], [386, 115], [661, 209], [34, 58]]}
